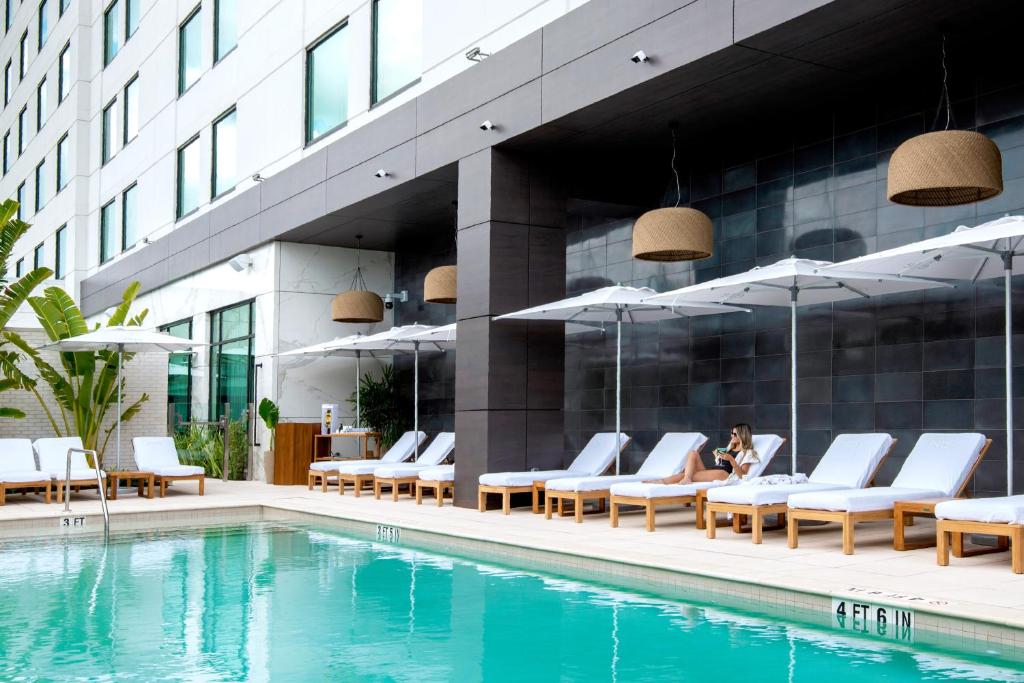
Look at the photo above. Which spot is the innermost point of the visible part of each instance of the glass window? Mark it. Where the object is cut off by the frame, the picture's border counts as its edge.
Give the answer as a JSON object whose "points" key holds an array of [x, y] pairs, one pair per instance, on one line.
{"points": [[132, 14], [8, 14], [190, 53], [225, 153], [131, 110], [60, 252], [326, 84], [129, 217], [64, 73], [19, 269], [44, 22], [22, 129], [38, 256], [108, 232], [63, 162], [21, 200], [23, 55], [41, 106], [41, 184], [108, 130], [397, 48], [188, 177], [225, 27], [7, 151], [64, 4], [179, 375], [231, 336], [111, 31], [7, 81]]}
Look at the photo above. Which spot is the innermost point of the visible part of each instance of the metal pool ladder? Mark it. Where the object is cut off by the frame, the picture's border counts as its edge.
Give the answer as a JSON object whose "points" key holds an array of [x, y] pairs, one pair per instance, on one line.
{"points": [[99, 485]]}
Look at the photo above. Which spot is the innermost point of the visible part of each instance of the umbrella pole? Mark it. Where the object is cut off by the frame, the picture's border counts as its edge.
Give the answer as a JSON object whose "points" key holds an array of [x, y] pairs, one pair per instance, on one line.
{"points": [[792, 370], [358, 377], [120, 350], [618, 387], [416, 396], [1008, 296]]}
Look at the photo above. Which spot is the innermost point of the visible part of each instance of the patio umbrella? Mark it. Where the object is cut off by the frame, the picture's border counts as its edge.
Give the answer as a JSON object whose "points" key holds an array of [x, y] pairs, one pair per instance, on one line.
{"points": [[405, 339], [983, 252], [336, 347], [617, 304], [792, 282], [123, 339]]}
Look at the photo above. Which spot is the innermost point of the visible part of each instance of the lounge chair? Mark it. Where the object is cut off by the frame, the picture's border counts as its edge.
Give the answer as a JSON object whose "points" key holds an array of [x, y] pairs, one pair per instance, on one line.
{"points": [[652, 496], [18, 469], [668, 457], [595, 458], [939, 466], [406, 474], [440, 479], [327, 470], [157, 454], [851, 462], [1002, 517], [53, 460]]}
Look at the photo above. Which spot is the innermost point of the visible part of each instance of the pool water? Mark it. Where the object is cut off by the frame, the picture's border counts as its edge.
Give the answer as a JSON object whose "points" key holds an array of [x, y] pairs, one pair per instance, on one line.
{"points": [[288, 602]]}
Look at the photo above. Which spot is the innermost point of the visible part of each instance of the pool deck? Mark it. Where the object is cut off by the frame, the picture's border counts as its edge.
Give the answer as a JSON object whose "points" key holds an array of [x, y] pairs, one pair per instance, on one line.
{"points": [[979, 589]]}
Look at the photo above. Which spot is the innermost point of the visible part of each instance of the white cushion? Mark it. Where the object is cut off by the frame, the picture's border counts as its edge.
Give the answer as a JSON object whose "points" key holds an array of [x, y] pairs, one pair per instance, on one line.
{"points": [[521, 478], [53, 454], [23, 476], [763, 495], [580, 484], [442, 473], [77, 474], [597, 455], [403, 449], [766, 445], [16, 456], [177, 471], [357, 466], [154, 452], [858, 500], [1001, 510], [400, 471], [851, 459], [641, 490], [332, 465], [940, 462], [438, 450], [668, 456]]}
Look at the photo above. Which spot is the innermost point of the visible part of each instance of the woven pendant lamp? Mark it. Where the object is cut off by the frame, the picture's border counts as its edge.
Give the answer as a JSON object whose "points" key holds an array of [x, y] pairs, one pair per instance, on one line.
{"points": [[675, 233], [946, 167], [357, 305], [439, 285]]}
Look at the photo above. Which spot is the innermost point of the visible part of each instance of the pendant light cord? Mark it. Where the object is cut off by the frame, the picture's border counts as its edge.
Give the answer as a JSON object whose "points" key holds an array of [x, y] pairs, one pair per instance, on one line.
{"points": [[944, 97], [358, 282], [675, 171]]}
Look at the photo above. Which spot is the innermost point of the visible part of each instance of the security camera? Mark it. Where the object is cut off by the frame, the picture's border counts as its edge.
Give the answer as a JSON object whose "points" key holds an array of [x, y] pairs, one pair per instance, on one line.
{"points": [[389, 303], [257, 178], [475, 54], [487, 125], [381, 173], [639, 57], [240, 263], [390, 299]]}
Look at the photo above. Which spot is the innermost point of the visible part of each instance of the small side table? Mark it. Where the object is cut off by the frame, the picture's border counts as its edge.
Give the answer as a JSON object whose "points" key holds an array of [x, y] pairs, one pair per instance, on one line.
{"points": [[902, 516], [115, 478]]}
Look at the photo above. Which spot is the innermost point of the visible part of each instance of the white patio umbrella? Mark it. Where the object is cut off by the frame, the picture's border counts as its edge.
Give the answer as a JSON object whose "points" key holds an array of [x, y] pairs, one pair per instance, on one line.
{"points": [[123, 339], [793, 282], [983, 252], [336, 347], [617, 304], [405, 339]]}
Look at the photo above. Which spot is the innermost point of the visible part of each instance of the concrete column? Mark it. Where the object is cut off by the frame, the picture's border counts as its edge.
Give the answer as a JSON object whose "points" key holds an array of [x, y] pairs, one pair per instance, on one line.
{"points": [[509, 375]]}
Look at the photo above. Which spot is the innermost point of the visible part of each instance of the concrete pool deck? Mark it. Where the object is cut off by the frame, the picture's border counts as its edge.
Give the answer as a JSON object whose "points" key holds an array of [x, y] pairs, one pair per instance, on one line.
{"points": [[980, 594]]}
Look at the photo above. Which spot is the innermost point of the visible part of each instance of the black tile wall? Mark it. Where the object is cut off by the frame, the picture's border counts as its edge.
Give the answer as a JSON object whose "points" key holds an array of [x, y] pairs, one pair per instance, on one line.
{"points": [[904, 364]]}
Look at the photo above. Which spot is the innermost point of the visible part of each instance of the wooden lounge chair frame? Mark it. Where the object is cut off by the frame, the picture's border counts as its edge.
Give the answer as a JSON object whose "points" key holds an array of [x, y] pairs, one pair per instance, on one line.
{"points": [[164, 480], [357, 481], [440, 487], [950, 533], [395, 483], [76, 485], [577, 498], [322, 476], [849, 520], [45, 484], [757, 513]]}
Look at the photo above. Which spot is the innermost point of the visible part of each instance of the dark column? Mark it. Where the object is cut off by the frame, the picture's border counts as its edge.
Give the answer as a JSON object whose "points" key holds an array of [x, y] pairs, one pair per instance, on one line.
{"points": [[509, 375]]}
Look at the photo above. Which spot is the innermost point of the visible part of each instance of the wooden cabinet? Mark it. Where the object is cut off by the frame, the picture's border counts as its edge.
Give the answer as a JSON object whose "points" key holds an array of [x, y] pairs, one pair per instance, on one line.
{"points": [[293, 450]]}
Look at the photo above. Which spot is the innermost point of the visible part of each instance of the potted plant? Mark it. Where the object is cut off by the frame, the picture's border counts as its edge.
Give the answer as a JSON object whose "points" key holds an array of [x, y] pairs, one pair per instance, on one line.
{"points": [[270, 414], [381, 404]]}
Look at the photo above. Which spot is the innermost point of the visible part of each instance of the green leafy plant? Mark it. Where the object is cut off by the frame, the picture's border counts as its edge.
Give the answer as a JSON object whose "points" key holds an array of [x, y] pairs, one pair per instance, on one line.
{"points": [[380, 405], [270, 414], [203, 445]]}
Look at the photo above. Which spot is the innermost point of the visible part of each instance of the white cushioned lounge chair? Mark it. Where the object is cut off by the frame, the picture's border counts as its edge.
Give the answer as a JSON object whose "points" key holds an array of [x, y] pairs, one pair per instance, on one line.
{"points": [[53, 460], [158, 455], [440, 479], [651, 496], [668, 457], [1002, 517], [595, 458], [326, 471], [18, 469], [940, 465], [406, 474], [851, 462]]}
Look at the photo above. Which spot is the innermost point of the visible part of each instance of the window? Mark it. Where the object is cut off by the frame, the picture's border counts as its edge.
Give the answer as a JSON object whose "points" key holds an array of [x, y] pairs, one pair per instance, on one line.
{"points": [[38, 256], [7, 151], [397, 48], [7, 82], [108, 130], [44, 22], [41, 185], [111, 31], [22, 129], [60, 250], [189, 51], [326, 84], [130, 125], [21, 200], [19, 269], [231, 335], [23, 55], [225, 153], [179, 374], [225, 27], [41, 106], [132, 14], [64, 73], [8, 14], [188, 177], [64, 4], [129, 217], [107, 232], [63, 162]]}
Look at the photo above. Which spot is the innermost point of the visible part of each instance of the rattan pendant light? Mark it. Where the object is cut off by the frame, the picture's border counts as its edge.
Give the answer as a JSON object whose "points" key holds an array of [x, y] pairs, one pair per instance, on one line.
{"points": [[439, 286], [358, 304], [946, 167], [675, 233]]}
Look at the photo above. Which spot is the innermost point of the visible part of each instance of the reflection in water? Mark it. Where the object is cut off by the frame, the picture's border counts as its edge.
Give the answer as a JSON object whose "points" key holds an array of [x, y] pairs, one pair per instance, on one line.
{"points": [[282, 603]]}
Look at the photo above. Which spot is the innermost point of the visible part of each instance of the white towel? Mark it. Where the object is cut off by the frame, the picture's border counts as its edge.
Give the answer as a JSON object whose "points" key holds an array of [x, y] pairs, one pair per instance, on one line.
{"points": [[776, 480]]}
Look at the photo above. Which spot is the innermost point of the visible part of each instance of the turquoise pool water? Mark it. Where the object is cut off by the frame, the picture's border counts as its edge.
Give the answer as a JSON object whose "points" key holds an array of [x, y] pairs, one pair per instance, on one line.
{"points": [[287, 602]]}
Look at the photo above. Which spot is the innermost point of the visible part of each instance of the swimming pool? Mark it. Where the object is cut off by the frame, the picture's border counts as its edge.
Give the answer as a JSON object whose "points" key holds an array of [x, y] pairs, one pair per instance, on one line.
{"points": [[293, 602]]}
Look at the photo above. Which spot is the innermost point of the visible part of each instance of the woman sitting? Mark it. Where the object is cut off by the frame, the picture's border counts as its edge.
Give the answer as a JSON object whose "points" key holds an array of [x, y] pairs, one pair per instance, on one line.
{"points": [[731, 463]]}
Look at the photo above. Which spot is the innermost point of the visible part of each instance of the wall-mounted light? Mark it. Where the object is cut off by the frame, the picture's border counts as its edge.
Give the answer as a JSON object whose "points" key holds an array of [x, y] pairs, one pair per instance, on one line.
{"points": [[487, 125], [381, 173], [240, 263], [475, 54], [639, 57]]}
